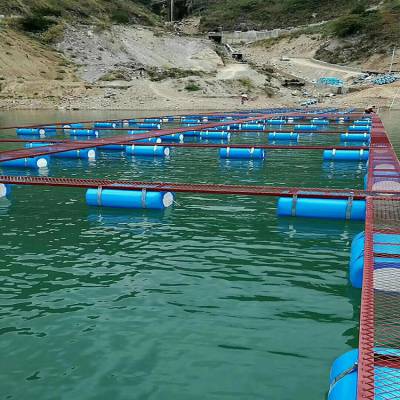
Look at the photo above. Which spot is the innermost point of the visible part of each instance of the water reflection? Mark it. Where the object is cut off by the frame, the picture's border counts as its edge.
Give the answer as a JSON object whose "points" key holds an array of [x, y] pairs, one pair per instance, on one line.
{"points": [[301, 228]]}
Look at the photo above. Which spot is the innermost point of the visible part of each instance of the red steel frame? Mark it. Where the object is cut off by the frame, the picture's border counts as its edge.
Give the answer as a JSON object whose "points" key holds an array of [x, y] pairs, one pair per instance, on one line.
{"points": [[199, 145], [384, 167], [353, 116], [383, 172]]}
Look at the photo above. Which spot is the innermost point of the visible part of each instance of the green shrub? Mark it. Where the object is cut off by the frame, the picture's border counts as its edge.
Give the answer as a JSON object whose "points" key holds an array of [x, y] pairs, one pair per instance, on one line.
{"points": [[192, 87], [36, 23], [347, 25], [120, 17], [54, 34]]}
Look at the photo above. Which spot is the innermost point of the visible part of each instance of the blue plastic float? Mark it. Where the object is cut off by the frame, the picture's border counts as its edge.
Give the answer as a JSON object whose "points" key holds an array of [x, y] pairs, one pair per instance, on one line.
{"points": [[252, 127], [31, 162], [359, 128], [345, 155], [321, 208], [355, 137], [112, 147], [215, 135], [30, 131], [175, 137], [148, 126], [344, 376], [383, 243], [109, 125], [276, 121], [148, 151], [252, 153], [129, 198], [73, 126], [84, 132], [283, 136], [317, 121], [80, 153], [5, 190], [191, 133], [149, 140]]}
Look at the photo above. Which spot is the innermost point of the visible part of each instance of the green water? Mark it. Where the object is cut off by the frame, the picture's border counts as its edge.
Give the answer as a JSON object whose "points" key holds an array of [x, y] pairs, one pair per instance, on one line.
{"points": [[216, 298]]}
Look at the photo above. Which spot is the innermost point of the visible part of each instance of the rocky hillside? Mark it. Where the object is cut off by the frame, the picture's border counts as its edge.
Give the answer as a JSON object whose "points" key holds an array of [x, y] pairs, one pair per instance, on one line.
{"points": [[45, 12], [269, 14]]}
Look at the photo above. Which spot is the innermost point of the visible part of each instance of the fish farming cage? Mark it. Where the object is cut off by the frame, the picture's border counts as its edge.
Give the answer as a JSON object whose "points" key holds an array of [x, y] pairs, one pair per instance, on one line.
{"points": [[379, 360], [373, 370]]}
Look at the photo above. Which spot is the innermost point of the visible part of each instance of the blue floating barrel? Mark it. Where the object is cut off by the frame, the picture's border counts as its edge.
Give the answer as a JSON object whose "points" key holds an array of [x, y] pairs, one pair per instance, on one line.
{"points": [[359, 128], [356, 265], [234, 126], [317, 121], [109, 125], [355, 137], [153, 120], [148, 151], [346, 155], [191, 133], [220, 128], [283, 136], [49, 128], [34, 145], [191, 121], [305, 127], [190, 125], [149, 126], [73, 126], [322, 208], [215, 135], [343, 377], [112, 147], [252, 127], [84, 132], [129, 198], [384, 243], [5, 190], [175, 137], [276, 121], [30, 131], [132, 122], [252, 153], [149, 140], [31, 162], [80, 153], [362, 122]]}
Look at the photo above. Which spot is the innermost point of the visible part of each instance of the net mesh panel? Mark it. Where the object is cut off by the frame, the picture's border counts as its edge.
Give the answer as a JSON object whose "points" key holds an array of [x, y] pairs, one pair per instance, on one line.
{"points": [[386, 217], [379, 363], [379, 359]]}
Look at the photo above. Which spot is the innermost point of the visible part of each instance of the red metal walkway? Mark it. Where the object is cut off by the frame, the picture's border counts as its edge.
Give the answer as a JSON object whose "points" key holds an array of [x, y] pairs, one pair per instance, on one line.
{"points": [[120, 139], [200, 145], [380, 306], [186, 187]]}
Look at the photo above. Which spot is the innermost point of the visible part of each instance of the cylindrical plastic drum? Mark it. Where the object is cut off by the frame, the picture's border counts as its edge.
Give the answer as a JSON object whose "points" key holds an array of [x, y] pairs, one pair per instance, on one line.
{"points": [[129, 198], [148, 151], [252, 153]]}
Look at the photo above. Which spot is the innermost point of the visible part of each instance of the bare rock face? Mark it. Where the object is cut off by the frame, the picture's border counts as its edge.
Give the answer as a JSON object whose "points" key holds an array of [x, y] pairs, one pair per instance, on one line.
{"points": [[133, 49]]}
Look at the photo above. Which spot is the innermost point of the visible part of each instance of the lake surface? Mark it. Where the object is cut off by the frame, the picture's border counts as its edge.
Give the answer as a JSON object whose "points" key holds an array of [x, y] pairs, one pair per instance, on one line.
{"points": [[215, 298]]}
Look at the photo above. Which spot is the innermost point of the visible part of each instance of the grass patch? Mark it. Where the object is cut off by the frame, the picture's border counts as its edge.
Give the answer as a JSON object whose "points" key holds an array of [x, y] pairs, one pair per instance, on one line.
{"points": [[270, 14], [84, 11], [192, 87], [246, 83], [114, 76], [157, 74]]}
